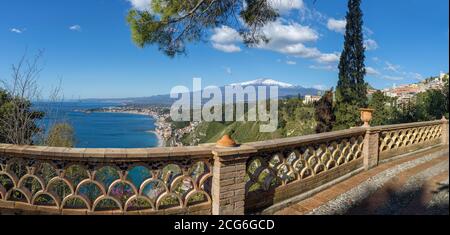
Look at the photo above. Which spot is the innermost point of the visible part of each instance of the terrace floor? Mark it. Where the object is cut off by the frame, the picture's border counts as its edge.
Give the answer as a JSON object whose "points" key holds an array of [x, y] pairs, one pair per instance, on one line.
{"points": [[416, 184]]}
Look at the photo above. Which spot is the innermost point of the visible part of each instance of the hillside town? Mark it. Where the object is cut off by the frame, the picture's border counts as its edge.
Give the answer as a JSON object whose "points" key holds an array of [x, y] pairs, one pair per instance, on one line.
{"points": [[405, 94]]}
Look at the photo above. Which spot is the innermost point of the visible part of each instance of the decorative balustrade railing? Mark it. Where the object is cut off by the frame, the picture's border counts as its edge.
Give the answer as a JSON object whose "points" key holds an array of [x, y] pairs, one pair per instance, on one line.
{"points": [[106, 181], [285, 168], [404, 138], [199, 180]]}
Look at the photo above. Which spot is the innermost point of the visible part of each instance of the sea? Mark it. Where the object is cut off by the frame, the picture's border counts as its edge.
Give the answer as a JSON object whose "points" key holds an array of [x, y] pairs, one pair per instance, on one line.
{"points": [[100, 130]]}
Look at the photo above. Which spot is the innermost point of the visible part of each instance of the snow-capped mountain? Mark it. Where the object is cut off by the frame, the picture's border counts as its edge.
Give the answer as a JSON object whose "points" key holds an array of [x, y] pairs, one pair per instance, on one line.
{"points": [[284, 90], [264, 82]]}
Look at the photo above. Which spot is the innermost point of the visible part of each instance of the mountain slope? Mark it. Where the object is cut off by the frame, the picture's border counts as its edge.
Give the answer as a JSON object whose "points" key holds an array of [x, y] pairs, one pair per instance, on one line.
{"points": [[284, 90], [295, 119]]}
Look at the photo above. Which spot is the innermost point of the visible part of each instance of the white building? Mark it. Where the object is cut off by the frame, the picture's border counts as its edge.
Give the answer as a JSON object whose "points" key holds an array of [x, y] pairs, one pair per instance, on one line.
{"points": [[309, 99]]}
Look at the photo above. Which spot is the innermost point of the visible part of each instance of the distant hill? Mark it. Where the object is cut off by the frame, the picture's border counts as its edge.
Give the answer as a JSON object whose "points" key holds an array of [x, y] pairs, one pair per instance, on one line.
{"points": [[285, 90], [295, 119]]}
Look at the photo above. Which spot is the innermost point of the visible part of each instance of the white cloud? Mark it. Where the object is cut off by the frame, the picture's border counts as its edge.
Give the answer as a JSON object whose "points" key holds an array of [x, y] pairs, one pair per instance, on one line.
{"points": [[416, 76], [225, 35], [368, 31], [298, 50], [336, 25], [228, 48], [141, 4], [18, 31], [401, 73], [329, 58], [289, 38], [225, 39], [370, 44], [311, 14], [392, 67], [278, 32], [396, 72], [372, 72], [75, 28], [284, 37], [290, 62], [284, 6]]}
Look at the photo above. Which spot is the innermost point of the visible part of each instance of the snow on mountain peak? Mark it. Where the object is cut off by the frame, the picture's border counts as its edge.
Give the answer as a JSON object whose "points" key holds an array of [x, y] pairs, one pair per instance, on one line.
{"points": [[264, 82]]}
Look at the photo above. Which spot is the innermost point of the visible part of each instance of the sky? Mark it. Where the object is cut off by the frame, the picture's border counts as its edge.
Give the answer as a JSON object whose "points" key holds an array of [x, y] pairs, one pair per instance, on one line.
{"points": [[88, 48]]}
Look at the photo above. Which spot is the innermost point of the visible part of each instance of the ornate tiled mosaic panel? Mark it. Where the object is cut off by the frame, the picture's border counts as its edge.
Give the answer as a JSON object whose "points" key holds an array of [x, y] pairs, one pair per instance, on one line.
{"points": [[150, 185]]}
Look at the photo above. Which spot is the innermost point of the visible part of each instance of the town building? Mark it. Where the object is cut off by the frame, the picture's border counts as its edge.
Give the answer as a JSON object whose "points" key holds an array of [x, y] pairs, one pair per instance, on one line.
{"points": [[405, 94], [310, 99]]}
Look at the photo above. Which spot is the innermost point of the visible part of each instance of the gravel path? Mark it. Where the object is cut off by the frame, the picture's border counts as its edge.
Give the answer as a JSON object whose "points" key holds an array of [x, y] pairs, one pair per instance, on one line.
{"points": [[412, 189], [355, 196], [439, 203]]}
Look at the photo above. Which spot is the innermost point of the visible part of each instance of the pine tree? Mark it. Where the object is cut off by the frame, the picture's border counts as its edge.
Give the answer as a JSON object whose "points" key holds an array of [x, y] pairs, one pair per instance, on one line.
{"points": [[324, 113], [351, 91], [172, 24]]}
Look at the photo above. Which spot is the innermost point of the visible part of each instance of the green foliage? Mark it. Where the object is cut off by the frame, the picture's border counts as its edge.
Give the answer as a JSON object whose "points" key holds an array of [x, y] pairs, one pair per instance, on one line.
{"points": [[299, 117], [384, 109], [61, 135], [430, 105], [170, 24], [445, 91], [324, 113], [242, 132], [17, 120], [179, 125], [426, 106], [294, 119], [406, 113], [351, 91]]}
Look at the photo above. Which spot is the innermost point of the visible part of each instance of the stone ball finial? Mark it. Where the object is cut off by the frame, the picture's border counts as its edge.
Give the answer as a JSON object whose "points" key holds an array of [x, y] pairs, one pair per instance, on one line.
{"points": [[226, 142], [366, 116]]}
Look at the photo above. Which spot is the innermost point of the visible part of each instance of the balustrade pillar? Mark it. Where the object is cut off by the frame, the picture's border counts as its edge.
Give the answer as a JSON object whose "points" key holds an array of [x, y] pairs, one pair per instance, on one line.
{"points": [[228, 186], [371, 141], [371, 148], [445, 131]]}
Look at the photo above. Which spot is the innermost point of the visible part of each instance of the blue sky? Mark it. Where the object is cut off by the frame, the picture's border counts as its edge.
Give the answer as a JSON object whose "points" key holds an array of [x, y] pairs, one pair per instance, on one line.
{"points": [[87, 44]]}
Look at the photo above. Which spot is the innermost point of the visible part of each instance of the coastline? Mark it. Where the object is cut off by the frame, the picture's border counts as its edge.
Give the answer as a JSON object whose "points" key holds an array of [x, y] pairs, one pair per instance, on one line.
{"points": [[159, 125], [161, 141]]}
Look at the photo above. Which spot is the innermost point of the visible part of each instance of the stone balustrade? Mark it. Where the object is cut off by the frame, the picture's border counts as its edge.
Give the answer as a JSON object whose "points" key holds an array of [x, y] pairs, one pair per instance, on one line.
{"points": [[106, 181], [206, 179], [400, 139]]}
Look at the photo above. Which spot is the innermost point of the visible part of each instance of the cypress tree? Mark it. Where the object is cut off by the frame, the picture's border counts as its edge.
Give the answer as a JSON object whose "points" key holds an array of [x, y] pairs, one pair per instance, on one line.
{"points": [[351, 91]]}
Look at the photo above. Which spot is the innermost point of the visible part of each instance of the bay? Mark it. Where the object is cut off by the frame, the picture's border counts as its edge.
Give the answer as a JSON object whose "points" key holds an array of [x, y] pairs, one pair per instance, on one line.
{"points": [[101, 130]]}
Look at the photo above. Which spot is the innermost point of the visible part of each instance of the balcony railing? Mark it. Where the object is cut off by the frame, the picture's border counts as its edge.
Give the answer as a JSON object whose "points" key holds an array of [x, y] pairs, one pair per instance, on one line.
{"points": [[199, 180], [288, 167], [106, 181]]}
